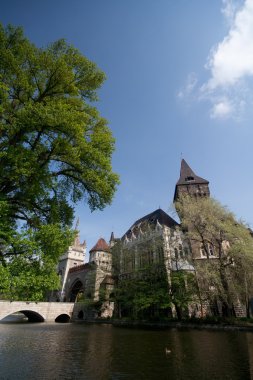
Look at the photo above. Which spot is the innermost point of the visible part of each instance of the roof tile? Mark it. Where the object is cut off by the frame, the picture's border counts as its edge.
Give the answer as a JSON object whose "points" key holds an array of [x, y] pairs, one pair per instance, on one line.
{"points": [[101, 245]]}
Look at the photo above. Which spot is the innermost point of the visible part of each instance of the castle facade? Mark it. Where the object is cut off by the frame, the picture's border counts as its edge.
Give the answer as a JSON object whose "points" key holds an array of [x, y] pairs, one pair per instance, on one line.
{"points": [[154, 245]]}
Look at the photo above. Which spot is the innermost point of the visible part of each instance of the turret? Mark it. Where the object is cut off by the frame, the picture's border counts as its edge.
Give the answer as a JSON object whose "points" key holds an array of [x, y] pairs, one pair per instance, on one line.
{"points": [[74, 257], [101, 255]]}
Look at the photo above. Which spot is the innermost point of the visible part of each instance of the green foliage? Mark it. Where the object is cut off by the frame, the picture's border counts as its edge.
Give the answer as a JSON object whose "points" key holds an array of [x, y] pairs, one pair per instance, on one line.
{"points": [[144, 295], [183, 288], [29, 271], [55, 148], [152, 292], [227, 274]]}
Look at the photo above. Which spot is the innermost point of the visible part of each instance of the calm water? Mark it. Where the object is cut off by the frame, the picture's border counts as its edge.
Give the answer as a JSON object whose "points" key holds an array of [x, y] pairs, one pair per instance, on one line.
{"points": [[79, 351]]}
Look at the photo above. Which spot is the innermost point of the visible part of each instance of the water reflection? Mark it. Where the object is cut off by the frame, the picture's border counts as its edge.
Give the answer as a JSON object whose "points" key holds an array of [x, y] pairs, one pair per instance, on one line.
{"points": [[94, 352]]}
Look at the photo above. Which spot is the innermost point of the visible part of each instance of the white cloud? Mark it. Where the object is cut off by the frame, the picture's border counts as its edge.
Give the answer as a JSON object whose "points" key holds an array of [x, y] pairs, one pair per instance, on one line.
{"points": [[221, 110], [229, 10], [190, 85], [231, 64], [232, 60]]}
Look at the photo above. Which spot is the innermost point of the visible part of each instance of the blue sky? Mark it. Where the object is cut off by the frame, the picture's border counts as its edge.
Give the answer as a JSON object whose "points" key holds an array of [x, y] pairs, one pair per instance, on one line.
{"points": [[179, 84]]}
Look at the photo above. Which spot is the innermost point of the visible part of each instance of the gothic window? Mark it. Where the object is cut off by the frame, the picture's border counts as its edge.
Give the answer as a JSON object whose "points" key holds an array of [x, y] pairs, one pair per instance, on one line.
{"points": [[202, 251], [180, 251], [176, 253], [150, 257], [124, 264], [133, 262], [160, 254], [211, 250], [140, 261]]}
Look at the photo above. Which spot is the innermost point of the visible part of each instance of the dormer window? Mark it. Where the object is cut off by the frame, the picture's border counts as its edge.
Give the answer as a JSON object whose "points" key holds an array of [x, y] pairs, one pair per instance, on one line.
{"points": [[189, 179]]}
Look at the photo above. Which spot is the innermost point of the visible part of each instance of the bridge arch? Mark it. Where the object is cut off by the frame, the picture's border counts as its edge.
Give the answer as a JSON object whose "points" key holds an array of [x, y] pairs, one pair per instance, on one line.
{"points": [[62, 318], [38, 311], [31, 315]]}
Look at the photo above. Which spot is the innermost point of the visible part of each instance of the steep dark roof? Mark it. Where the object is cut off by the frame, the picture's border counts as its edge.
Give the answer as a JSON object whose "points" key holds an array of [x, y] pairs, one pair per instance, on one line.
{"points": [[101, 245], [187, 175], [156, 216], [112, 238]]}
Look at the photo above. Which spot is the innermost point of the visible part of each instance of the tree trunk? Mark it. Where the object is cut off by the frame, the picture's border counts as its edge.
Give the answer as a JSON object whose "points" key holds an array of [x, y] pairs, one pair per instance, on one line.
{"points": [[179, 312], [227, 307]]}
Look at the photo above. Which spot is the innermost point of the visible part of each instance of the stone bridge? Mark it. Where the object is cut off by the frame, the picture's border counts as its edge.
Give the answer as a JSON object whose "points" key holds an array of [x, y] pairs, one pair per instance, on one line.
{"points": [[38, 311]]}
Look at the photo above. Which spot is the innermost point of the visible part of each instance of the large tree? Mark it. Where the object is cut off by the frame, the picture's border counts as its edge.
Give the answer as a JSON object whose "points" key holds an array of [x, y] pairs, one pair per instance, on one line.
{"points": [[227, 244], [55, 150]]}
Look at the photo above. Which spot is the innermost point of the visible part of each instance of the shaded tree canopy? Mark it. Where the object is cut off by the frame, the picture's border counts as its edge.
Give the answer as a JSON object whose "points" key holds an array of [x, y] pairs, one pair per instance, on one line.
{"points": [[28, 265], [209, 223], [55, 148], [227, 244]]}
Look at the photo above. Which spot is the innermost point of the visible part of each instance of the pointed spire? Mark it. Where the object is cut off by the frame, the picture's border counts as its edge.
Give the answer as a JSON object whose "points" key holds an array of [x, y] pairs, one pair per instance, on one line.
{"points": [[112, 237], [77, 238], [77, 223], [188, 176], [188, 181]]}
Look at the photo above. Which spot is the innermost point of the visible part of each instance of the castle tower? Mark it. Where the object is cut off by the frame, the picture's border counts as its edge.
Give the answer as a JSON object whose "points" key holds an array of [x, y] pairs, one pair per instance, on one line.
{"points": [[101, 255], [190, 184], [75, 256]]}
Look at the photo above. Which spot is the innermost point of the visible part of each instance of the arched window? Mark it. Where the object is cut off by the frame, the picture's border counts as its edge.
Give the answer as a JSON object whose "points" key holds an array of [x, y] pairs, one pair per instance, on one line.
{"points": [[211, 250], [140, 260], [133, 260], [202, 250], [150, 257], [160, 254]]}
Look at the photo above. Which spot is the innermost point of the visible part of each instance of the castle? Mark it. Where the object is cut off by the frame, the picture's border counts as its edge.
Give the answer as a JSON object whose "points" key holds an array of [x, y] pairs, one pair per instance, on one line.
{"points": [[155, 241]]}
